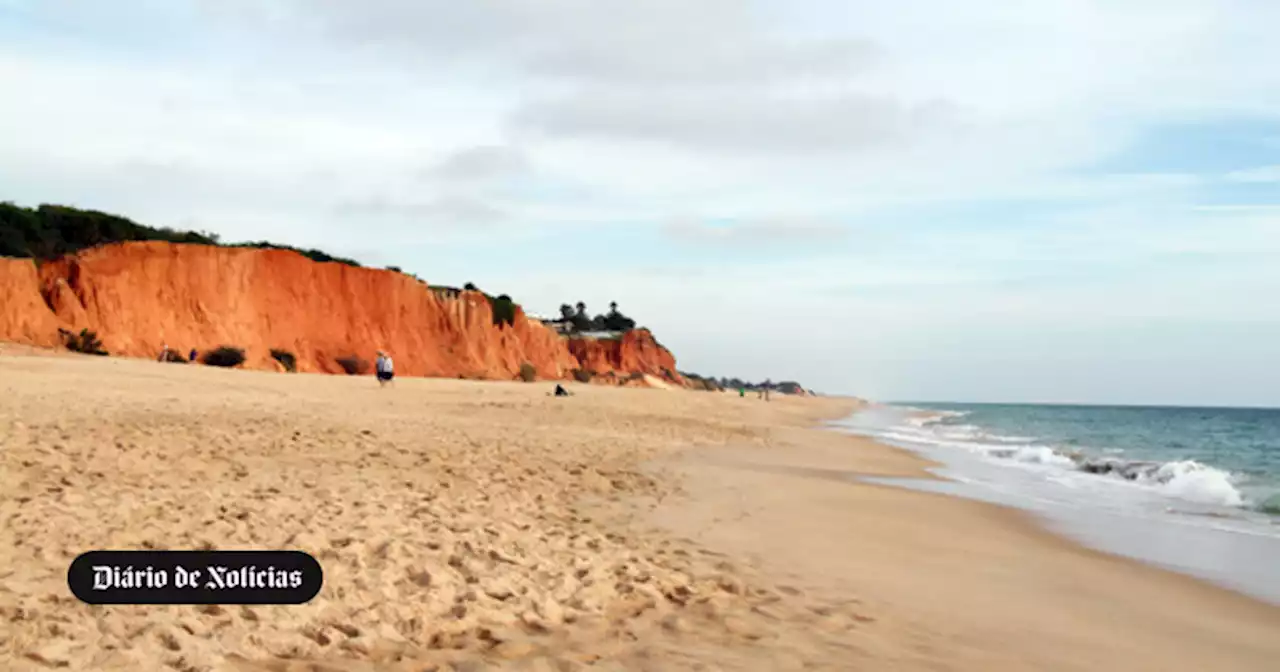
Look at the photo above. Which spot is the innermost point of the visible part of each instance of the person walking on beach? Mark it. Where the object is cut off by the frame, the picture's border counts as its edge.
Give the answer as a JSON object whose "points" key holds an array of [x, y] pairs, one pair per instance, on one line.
{"points": [[193, 355], [384, 368]]}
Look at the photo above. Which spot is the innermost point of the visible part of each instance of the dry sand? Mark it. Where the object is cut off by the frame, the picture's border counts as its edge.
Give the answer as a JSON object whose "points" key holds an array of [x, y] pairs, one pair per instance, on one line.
{"points": [[466, 525]]}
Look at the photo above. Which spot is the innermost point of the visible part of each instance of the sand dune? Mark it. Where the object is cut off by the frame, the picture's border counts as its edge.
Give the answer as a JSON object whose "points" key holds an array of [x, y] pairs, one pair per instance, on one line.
{"points": [[465, 526]]}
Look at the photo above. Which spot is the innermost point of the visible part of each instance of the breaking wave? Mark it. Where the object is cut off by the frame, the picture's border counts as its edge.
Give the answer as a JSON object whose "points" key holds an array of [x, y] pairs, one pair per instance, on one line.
{"points": [[1184, 479]]}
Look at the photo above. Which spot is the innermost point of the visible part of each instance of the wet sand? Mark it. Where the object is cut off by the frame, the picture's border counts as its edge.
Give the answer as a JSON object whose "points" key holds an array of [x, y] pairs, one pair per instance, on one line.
{"points": [[467, 526]]}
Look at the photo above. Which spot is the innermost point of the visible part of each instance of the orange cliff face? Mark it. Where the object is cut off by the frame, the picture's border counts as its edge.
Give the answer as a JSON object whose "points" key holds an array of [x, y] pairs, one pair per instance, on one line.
{"points": [[24, 316], [139, 297], [635, 351]]}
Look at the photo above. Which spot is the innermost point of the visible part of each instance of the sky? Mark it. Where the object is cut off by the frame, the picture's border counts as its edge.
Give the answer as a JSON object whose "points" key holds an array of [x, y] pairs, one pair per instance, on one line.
{"points": [[1072, 201]]}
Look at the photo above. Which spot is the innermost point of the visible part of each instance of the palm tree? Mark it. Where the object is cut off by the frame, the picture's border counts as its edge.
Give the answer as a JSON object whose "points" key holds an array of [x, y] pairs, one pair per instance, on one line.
{"points": [[582, 308], [613, 307]]}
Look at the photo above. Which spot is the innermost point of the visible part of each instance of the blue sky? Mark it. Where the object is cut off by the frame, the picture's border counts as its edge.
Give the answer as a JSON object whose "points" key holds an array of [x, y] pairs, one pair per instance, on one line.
{"points": [[1072, 201]]}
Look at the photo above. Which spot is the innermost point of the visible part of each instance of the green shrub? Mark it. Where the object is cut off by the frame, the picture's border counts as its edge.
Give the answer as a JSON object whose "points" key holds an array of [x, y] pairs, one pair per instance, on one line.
{"points": [[313, 255], [705, 384], [353, 365], [582, 375], [51, 231], [84, 342], [527, 373], [224, 356], [504, 310], [286, 359]]}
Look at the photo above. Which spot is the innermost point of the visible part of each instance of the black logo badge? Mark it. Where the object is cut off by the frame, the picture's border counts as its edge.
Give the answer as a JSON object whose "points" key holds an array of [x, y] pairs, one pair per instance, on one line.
{"points": [[195, 577]]}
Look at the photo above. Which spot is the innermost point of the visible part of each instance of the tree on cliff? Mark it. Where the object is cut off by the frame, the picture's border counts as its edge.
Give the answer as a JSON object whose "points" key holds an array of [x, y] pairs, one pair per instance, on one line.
{"points": [[50, 231], [616, 321], [580, 320], [504, 310], [313, 255]]}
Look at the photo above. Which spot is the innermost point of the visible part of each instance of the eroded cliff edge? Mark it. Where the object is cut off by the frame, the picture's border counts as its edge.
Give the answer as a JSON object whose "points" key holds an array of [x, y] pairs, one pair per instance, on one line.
{"points": [[141, 296]]}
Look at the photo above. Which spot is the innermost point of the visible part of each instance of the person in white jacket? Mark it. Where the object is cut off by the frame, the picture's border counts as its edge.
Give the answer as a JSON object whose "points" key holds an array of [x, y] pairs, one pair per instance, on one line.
{"points": [[384, 368]]}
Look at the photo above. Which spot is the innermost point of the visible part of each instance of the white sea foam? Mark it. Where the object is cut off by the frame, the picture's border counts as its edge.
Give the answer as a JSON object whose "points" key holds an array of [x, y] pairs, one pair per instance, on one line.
{"points": [[1042, 455], [1192, 481], [927, 418], [1187, 480], [1010, 439], [1185, 515], [959, 431]]}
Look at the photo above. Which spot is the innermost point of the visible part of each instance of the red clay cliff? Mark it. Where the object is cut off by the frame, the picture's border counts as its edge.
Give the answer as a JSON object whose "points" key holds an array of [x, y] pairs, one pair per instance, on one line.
{"points": [[633, 352], [141, 296]]}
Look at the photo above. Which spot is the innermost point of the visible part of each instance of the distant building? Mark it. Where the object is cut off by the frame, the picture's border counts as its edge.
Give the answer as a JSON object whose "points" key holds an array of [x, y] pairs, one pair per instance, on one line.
{"points": [[562, 327], [446, 292]]}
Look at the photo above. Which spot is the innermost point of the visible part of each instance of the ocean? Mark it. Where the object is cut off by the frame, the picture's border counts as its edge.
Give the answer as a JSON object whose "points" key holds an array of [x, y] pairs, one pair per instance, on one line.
{"points": [[1195, 490]]}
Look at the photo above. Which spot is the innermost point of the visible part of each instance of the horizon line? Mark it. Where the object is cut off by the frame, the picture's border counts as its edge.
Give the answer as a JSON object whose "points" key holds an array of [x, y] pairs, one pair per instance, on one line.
{"points": [[1077, 404]]}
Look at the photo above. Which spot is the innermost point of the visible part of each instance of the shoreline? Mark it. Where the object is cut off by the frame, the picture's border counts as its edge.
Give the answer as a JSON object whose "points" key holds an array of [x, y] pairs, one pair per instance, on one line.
{"points": [[470, 525], [1036, 521], [728, 508], [1170, 533]]}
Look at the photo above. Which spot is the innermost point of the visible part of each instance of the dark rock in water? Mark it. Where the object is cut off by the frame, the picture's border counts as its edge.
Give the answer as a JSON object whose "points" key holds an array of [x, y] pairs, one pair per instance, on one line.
{"points": [[1127, 470], [1099, 466], [1271, 505]]}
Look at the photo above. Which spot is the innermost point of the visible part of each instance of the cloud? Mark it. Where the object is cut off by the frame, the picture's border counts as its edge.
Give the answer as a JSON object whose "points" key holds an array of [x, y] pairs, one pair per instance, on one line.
{"points": [[481, 164], [446, 212], [619, 43], [1241, 207], [908, 181], [762, 123], [1264, 174], [656, 61], [768, 231]]}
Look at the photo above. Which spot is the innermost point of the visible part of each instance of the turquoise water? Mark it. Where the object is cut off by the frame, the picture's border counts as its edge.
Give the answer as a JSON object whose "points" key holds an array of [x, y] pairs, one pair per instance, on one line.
{"points": [[1195, 490], [1224, 456]]}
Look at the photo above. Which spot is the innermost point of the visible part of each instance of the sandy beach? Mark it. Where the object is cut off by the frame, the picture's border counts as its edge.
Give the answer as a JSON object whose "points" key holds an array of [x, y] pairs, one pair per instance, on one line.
{"points": [[475, 525]]}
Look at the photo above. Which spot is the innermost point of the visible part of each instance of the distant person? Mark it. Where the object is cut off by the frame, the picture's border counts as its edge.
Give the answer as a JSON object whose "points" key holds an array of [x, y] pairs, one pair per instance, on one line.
{"points": [[164, 353], [742, 391], [560, 391], [193, 354], [384, 368]]}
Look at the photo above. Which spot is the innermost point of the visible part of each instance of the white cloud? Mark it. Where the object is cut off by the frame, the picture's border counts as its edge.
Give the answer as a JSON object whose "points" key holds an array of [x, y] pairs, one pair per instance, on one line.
{"points": [[482, 163], [1261, 175], [772, 231], [851, 130]]}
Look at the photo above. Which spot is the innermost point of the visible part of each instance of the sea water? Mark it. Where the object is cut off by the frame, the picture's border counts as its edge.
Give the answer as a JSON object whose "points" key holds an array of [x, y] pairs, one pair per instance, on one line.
{"points": [[1195, 490]]}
